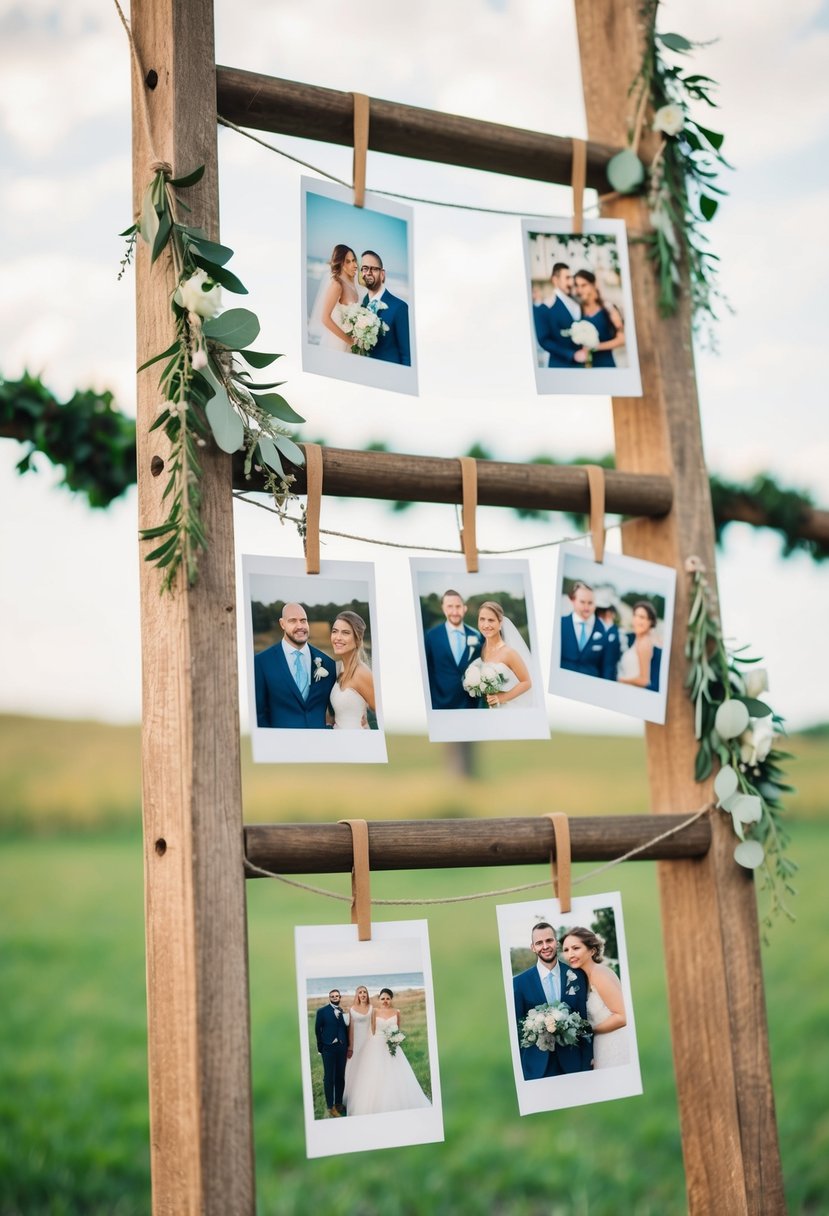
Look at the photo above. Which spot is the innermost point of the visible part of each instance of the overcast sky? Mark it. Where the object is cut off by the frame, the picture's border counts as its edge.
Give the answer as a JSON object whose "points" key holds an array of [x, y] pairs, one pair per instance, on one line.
{"points": [[68, 595]]}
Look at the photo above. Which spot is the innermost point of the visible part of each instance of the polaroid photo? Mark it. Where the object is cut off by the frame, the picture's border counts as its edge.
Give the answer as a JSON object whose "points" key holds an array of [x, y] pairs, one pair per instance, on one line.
{"points": [[478, 650], [370, 1076], [357, 288], [312, 663], [612, 632], [582, 329], [569, 1005]]}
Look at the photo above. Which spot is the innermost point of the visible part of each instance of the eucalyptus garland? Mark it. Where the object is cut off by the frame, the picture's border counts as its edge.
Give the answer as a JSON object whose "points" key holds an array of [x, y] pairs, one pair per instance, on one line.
{"points": [[681, 179], [739, 731], [204, 388]]}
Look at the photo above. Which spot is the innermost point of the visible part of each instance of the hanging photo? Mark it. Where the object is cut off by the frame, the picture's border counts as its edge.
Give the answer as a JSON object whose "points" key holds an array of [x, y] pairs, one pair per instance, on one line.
{"points": [[370, 1074], [313, 673], [478, 651], [581, 308], [612, 632], [569, 1006], [357, 288]]}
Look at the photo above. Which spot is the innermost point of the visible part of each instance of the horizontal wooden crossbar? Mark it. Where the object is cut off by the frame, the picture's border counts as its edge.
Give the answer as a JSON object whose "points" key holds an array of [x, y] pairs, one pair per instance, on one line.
{"points": [[265, 103], [426, 844], [395, 477]]}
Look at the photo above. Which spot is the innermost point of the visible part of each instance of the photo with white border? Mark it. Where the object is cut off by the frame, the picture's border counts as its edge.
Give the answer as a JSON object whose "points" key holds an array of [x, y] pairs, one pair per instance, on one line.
{"points": [[620, 659], [357, 276], [396, 1098], [289, 725], [581, 280], [607, 1066], [458, 706]]}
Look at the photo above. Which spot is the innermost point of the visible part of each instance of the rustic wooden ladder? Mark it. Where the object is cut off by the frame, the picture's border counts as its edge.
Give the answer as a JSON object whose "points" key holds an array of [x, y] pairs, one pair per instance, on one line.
{"points": [[198, 1011]]}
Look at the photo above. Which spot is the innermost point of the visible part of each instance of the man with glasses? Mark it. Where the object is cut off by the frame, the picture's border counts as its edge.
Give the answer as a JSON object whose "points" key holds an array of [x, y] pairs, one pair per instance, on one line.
{"points": [[393, 346]]}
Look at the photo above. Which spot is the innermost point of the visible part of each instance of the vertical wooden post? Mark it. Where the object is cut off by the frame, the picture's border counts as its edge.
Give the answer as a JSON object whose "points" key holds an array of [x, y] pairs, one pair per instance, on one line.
{"points": [[709, 913], [197, 988]]}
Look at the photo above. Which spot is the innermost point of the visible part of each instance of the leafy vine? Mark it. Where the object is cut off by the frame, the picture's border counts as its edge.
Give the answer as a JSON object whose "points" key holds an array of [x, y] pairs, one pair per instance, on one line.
{"points": [[206, 391], [737, 729]]}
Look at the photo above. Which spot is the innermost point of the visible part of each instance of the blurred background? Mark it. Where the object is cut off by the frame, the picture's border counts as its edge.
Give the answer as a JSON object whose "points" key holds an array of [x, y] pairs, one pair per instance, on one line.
{"points": [[73, 1107]]}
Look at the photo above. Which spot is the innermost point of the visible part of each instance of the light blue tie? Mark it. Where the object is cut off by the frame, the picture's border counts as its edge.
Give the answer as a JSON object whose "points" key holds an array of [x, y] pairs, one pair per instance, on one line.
{"points": [[582, 634], [548, 987], [300, 675], [458, 640]]}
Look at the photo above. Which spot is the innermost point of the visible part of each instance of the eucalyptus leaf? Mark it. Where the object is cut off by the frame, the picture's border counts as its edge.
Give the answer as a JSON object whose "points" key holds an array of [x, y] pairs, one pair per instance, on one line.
{"points": [[725, 783], [148, 227], [269, 454], [225, 423], [278, 406], [750, 854], [217, 254], [675, 42], [220, 275], [708, 206], [162, 235], [625, 171], [258, 358], [757, 709], [235, 329], [290, 450], [715, 138], [189, 179], [165, 354]]}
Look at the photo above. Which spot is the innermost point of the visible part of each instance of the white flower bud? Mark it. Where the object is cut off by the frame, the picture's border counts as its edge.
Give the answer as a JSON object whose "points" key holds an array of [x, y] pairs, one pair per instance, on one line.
{"points": [[669, 120], [199, 294]]}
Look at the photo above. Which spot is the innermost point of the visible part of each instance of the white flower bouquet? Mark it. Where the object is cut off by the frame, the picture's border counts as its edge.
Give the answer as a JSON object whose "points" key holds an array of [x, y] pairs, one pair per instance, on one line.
{"points": [[393, 1039], [549, 1026], [363, 326], [482, 679], [584, 334]]}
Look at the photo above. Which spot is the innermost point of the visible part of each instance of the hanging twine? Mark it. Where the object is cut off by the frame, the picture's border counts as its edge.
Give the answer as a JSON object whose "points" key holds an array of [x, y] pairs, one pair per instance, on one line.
{"points": [[252, 869], [156, 163]]}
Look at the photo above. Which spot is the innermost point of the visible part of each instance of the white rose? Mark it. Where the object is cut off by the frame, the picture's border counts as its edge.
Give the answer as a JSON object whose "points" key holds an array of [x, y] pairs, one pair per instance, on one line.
{"points": [[669, 120], [195, 296], [757, 681], [488, 672], [584, 333]]}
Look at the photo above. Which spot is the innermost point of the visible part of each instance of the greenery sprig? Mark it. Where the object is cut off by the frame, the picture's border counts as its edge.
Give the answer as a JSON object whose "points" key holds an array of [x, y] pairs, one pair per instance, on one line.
{"points": [[738, 730], [681, 179], [205, 389]]}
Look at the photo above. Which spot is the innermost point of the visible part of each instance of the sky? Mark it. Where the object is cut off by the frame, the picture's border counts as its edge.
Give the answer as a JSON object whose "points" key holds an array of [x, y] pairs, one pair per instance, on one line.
{"points": [[69, 618]]}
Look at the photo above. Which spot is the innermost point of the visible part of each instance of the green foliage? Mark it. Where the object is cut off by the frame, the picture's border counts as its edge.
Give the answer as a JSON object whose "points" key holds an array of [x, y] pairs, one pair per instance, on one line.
{"points": [[515, 608], [91, 439], [781, 508]]}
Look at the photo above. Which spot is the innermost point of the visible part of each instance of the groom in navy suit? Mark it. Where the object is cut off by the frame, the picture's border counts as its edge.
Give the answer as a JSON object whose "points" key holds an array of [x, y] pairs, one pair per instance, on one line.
{"points": [[552, 320], [332, 1044], [586, 646], [392, 346], [293, 680], [450, 647], [550, 980]]}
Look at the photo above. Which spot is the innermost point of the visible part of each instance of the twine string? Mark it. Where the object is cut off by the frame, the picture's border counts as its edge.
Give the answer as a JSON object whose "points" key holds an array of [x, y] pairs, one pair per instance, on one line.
{"points": [[251, 868], [156, 162]]}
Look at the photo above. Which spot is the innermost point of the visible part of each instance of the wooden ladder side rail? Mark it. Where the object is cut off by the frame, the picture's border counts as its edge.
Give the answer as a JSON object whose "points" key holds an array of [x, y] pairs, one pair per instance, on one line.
{"points": [[434, 844], [709, 908], [404, 478], [198, 1017], [286, 107]]}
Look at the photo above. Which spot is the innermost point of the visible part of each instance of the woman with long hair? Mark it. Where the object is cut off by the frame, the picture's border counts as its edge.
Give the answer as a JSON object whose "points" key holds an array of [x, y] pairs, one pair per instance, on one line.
{"points": [[584, 950], [605, 318], [505, 651], [336, 291], [640, 663], [359, 1029], [353, 694]]}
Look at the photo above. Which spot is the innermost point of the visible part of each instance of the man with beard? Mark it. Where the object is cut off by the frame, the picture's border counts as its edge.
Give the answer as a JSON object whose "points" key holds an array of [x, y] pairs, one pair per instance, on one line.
{"points": [[393, 345], [293, 680], [548, 981]]}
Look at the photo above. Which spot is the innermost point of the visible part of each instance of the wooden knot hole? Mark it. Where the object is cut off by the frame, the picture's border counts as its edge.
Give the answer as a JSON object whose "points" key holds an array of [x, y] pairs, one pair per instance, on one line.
{"points": [[156, 466], [151, 79], [161, 846]]}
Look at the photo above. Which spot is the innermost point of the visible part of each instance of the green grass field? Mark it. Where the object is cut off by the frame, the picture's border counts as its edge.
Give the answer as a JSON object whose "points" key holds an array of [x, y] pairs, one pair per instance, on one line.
{"points": [[73, 1106]]}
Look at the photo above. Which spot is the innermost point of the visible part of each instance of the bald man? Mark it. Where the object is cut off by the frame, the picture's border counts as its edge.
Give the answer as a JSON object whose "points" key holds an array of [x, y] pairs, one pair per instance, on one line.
{"points": [[293, 680]]}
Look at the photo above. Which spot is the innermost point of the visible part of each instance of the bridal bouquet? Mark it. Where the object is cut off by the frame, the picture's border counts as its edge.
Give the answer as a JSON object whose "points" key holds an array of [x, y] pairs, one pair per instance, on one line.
{"points": [[482, 679], [363, 326], [546, 1026], [393, 1039], [584, 333]]}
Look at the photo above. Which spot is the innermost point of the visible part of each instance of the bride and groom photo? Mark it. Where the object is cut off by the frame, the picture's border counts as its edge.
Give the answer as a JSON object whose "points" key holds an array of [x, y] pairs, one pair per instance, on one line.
{"points": [[357, 289], [312, 666], [478, 651], [581, 308], [368, 1047]]}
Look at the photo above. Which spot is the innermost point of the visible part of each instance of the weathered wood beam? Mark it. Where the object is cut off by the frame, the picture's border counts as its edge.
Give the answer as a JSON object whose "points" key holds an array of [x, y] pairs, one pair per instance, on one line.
{"points": [[395, 477], [201, 1150], [286, 107], [709, 912], [325, 848]]}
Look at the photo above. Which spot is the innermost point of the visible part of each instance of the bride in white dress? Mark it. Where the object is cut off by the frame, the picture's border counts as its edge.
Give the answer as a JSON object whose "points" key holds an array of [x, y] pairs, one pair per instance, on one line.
{"points": [[334, 293], [382, 1082], [505, 650], [353, 694], [359, 1030], [584, 950], [635, 664]]}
